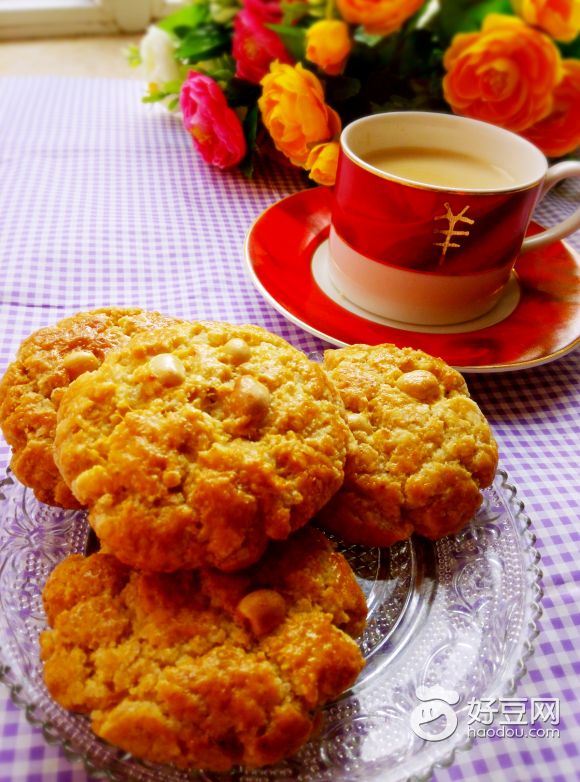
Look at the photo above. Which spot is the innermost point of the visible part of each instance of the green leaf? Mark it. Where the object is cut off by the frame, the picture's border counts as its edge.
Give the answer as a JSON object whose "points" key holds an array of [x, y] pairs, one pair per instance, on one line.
{"points": [[361, 36], [242, 93], [251, 125], [217, 74], [293, 12], [155, 97], [341, 88], [373, 51], [167, 89], [420, 101], [172, 86], [293, 38], [186, 18], [419, 54], [133, 56], [221, 68], [250, 128], [203, 43], [571, 50], [458, 16]]}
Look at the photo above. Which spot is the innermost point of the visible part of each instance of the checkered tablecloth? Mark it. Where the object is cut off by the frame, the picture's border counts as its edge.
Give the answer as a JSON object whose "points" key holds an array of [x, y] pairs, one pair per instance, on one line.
{"points": [[103, 201]]}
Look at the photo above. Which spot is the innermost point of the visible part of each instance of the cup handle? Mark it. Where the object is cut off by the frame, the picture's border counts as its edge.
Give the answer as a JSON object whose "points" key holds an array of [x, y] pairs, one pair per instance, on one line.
{"points": [[568, 168]]}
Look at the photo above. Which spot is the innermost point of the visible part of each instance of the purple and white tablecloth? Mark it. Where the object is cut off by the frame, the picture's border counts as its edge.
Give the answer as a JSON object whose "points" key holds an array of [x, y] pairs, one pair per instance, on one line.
{"points": [[104, 202]]}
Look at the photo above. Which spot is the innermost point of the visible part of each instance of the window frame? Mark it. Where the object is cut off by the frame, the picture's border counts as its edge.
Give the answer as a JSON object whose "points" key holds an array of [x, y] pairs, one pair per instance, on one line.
{"points": [[48, 18]]}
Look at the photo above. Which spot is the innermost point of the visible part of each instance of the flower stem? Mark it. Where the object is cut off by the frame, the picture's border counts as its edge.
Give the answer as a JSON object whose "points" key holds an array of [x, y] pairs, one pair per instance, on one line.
{"points": [[329, 10]]}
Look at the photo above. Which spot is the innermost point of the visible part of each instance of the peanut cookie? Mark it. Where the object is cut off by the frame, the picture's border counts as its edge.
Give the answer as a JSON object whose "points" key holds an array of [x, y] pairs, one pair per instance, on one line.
{"points": [[203, 669], [195, 444], [422, 451], [33, 384]]}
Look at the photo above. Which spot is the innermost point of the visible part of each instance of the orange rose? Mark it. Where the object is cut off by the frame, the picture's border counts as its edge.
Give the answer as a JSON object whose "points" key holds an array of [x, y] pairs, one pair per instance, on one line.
{"points": [[504, 74], [378, 16], [558, 18], [294, 111], [322, 162], [328, 45], [559, 132]]}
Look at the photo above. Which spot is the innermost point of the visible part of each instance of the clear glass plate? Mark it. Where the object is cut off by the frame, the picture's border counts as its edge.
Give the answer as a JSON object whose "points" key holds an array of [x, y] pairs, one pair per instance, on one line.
{"points": [[459, 614]]}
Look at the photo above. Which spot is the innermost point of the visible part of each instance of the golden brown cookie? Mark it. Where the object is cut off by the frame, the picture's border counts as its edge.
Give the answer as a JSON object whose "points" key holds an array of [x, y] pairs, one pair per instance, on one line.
{"points": [[33, 384], [196, 444], [422, 451], [204, 669]]}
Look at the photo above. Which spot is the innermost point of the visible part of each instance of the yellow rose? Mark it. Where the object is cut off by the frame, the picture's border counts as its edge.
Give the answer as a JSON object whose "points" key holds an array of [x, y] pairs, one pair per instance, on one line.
{"points": [[322, 162], [294, 111], [328, 45], [558, 18], [378, 17], [504, 74], [559, 132]]}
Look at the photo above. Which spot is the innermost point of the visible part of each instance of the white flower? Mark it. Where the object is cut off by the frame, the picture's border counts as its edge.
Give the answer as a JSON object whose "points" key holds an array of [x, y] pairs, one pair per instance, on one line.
{"points": [[156, 51]]}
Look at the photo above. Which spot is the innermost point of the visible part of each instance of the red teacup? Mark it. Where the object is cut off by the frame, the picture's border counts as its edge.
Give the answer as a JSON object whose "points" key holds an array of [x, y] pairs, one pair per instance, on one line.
{"points": [[430, 214]]}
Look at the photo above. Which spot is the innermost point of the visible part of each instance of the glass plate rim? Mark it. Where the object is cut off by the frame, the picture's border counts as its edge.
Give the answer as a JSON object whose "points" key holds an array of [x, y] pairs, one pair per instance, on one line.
{"points": [[509, 685]]}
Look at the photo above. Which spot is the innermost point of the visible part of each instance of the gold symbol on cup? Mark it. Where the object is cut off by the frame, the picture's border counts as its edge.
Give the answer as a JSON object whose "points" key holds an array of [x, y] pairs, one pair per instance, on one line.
{"points": [[451, 233]]}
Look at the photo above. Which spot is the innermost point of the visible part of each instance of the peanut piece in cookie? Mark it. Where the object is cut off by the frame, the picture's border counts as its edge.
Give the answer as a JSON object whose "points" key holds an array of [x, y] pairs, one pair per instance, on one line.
{"points": [[168, 369], [237, 350], [264, 610], [80, 361], [420, 384], [250, 399]]}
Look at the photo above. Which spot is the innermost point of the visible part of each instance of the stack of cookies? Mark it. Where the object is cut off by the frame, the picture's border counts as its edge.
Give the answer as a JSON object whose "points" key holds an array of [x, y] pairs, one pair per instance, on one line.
{"points": [[214, 621]]}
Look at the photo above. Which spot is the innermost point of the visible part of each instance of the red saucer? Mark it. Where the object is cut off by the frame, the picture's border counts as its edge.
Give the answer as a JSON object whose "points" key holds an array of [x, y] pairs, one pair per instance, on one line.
{"points": [[544, 325]]}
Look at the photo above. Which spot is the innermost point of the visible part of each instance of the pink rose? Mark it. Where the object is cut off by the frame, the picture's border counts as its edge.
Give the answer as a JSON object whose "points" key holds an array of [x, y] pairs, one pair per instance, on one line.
{"points": [[255, 47], [215, 129], [266, 10]]}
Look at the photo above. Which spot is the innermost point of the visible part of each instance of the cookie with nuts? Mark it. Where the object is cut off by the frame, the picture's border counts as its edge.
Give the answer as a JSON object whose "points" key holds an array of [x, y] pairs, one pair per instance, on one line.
{"points": [[30, 390], [196, 444], [422, 448], [204, 669]]}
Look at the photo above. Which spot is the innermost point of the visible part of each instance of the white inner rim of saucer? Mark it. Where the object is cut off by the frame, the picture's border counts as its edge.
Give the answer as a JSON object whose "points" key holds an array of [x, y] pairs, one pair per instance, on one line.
{"points": [[504, 307]]}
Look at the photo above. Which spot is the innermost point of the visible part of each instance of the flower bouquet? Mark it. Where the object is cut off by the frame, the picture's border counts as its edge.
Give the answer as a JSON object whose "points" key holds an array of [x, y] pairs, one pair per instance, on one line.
{"points": [[282, 77]]}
